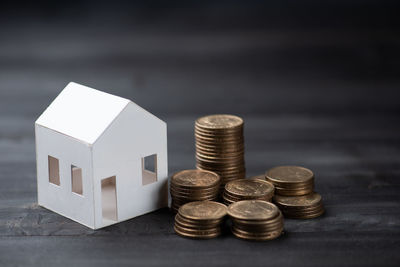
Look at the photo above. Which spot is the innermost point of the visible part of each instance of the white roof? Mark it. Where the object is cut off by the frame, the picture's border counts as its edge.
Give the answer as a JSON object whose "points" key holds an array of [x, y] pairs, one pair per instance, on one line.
{"points": [[82, 112]]}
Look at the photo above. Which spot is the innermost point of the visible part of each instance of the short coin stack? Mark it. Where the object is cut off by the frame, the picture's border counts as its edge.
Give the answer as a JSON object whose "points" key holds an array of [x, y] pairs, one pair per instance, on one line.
{"points": [[291, 180], [220, 146], [193, 185], [255, 220], [302, 207], [246, 189], [294, 193], [200, 219]]}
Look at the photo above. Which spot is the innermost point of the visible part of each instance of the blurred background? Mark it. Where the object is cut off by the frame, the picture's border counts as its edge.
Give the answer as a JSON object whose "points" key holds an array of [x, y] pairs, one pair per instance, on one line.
{"points": [[304, 74]]}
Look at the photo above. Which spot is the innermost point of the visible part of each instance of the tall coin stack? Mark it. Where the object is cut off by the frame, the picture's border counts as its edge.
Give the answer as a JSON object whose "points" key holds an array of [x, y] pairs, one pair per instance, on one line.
{"points": [[294, 192], [220, 146], [193, 185], [245, 189], [255, 220], [200, 219]]}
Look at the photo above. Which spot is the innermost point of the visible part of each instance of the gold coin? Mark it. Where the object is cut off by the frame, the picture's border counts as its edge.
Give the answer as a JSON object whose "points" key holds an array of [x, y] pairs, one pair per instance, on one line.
{"points": [[260, 177], [300, 192], [197, 231], [228, 168], [203, 210], [228, 162], [243, 197], [215, 152], [212, 138], [259, 228], [294, 190], [198, 222], [301, 209], [303, 212], [237, 131], [312, 199], [219, 150], [203, 227], [194, 197], [284, 175], [249, 188], [219, 121], [249, 236], [194, 236], [272, 221], [183, 201], [194, 191], [253, 210], [195, 179], [223, 130], [306, 215], [175, 192], [222, 170]]}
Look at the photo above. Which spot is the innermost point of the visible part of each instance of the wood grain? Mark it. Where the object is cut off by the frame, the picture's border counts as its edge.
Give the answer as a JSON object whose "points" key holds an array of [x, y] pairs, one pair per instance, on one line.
{"points": [[326, 100]]}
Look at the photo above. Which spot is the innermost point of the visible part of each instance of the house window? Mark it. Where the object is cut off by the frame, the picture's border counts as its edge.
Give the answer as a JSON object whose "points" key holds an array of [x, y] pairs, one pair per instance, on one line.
{"points": [[76, 180], [149, 169], [54, 170]]}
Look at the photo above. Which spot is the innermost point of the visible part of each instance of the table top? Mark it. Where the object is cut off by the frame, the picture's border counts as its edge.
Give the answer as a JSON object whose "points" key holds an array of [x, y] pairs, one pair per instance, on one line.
{"points": [[340, 118]]}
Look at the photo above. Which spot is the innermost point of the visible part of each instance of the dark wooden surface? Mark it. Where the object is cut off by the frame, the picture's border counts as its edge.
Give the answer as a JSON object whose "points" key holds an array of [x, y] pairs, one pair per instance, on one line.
{"points": [[322, 96]]}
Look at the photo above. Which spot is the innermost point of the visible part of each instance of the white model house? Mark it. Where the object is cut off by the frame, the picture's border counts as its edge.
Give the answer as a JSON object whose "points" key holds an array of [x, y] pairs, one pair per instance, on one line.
{"points": [[101, 159]]}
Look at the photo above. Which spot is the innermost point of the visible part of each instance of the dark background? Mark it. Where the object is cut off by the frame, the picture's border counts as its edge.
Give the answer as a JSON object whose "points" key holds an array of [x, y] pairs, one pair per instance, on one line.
{"points": [[317, 83]]}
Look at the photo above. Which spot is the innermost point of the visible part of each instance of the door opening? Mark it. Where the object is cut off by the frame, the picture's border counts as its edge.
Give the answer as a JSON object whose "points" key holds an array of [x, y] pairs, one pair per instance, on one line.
{"points": [[109, 199]]}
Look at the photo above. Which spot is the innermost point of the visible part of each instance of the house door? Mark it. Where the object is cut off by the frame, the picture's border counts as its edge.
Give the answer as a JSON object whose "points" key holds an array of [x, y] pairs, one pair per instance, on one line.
{"points": [[109, 199]]}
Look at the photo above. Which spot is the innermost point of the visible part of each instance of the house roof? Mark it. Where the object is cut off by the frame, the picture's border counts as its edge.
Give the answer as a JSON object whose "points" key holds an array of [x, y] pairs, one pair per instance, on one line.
{"points": [[82, 112]]}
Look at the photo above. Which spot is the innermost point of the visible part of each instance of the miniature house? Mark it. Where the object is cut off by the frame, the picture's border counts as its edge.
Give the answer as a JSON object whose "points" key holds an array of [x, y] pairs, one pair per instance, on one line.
{"points": [[101, 159]]}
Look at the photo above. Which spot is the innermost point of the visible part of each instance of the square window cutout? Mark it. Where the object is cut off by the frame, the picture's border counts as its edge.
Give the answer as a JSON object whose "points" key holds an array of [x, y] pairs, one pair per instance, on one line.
{"points": [[149, 169], [76, 180]]}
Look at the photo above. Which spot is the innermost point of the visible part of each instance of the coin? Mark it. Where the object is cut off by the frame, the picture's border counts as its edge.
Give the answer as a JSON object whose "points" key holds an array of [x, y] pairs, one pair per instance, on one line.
{"points": [[252, 188], [221, 121], [197, 234], [195, 179], [291, 180], [301, 201], [203, 210], [248, 236], [252, 210], [198, 223], [260, 177], [289, 175]]}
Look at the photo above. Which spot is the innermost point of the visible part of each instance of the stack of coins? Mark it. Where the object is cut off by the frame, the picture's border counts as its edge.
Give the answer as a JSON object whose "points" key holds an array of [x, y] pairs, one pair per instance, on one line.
{"points": [[260, 177], [220, 146], [255, 220], [200, 219], [193, 185], [302, 207], [294, 194], [246, 189], [291, 180]]}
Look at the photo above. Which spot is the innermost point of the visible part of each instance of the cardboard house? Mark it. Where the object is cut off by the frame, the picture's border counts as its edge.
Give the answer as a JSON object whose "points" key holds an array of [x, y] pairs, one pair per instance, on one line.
{"points": [[101, 159]]}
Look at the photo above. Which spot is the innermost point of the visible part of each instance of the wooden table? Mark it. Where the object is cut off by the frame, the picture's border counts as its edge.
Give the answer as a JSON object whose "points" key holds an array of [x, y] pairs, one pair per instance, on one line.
{"points": [[326, 100]]}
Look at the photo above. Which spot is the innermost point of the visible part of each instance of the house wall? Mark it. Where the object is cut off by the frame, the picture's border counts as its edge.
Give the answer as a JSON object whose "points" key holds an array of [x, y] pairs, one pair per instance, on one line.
{"points": [[60, 198], [134, 134]]}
